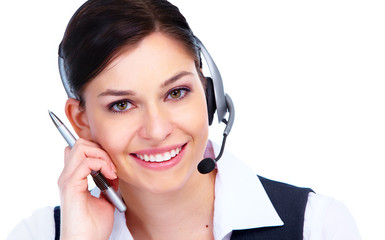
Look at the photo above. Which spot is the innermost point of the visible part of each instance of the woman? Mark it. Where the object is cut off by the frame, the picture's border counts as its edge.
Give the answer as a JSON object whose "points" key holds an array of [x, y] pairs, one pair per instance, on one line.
{"points": [[139, 107]]}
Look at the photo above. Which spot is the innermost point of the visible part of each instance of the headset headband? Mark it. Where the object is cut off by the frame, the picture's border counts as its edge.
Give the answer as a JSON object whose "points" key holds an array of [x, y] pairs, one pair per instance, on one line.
{"points": [[219, 93]]}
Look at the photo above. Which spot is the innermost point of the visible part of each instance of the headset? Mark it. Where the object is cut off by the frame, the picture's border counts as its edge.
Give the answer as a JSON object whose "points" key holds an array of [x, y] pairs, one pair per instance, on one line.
{"points": [[216, 100]]}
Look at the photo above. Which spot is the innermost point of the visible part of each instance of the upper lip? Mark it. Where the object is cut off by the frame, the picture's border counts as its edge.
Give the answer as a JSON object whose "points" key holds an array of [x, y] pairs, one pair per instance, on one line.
{"points": [[160, 150]]}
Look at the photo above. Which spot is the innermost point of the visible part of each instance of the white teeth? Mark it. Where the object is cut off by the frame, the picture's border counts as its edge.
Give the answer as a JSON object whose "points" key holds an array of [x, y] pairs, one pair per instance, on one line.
{"points": [[160, 157], [173, 153], [167, 156]]}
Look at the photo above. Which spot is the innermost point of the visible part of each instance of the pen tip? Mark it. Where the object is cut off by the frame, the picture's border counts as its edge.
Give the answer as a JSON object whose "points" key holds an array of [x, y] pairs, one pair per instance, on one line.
{"points": [[55, 119], [51, 114]]}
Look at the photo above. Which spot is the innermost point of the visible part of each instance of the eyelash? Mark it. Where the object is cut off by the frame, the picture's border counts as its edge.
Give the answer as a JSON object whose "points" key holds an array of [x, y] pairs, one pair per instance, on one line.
{"points": [[184, 92], [114, 104]]}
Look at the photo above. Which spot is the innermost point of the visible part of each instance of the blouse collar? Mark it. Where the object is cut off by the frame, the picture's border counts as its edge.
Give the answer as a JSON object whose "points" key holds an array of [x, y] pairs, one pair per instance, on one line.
{"points": [[241, 202]]}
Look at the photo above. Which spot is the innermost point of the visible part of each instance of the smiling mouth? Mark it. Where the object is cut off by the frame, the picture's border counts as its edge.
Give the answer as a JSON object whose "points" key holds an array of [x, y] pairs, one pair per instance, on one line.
{"points": [[160, 157]]}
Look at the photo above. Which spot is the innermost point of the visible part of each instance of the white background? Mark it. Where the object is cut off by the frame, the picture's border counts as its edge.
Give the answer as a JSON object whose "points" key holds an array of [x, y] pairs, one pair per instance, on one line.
{"points": [[307, 79]]}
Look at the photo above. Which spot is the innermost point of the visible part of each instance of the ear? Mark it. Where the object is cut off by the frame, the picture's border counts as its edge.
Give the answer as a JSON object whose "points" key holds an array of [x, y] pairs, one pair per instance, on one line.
{"points": [[78, 118]]}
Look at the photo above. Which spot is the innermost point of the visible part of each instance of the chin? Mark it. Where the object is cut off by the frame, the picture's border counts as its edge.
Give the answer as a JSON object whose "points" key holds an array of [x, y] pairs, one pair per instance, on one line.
{"points": [[170, 183]]}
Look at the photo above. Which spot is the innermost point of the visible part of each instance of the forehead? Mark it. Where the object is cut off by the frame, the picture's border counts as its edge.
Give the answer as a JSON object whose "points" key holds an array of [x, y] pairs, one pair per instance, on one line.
{"points": [[155, 58], [156, 46]]}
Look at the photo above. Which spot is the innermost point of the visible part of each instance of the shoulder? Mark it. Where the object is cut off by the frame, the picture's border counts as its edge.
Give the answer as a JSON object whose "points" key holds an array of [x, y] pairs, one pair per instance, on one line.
{"points": [[286, 197], [329, 218], [273, 186], [40, 225]]}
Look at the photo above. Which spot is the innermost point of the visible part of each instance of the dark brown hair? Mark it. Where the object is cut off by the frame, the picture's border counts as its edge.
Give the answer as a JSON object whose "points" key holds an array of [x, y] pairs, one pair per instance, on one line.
{"points": [[100, 28]]}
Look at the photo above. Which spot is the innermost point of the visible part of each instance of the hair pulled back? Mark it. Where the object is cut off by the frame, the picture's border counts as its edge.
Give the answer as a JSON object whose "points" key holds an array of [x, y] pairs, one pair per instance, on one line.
{"points": [[100, 28]]}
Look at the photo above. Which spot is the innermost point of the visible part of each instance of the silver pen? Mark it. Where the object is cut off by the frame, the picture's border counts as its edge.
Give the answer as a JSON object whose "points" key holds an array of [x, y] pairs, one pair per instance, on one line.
{"points": [[98, 177]]}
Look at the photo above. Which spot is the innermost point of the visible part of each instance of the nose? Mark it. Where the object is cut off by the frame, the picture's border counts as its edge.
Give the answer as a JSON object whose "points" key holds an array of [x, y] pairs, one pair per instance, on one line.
{"points": [[156, 124]]}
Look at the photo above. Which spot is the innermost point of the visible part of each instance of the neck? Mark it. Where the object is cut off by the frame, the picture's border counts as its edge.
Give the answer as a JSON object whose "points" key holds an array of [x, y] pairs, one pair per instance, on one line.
{"points": [[180, 213]]}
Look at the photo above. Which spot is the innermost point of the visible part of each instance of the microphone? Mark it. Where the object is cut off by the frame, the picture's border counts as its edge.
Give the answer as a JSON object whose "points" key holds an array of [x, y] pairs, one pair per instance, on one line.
{"points": [[208, 164]]}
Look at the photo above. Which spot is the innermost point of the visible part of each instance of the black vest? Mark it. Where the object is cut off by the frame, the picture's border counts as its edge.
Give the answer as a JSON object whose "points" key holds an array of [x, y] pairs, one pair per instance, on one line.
{"points": [[289, 201]]}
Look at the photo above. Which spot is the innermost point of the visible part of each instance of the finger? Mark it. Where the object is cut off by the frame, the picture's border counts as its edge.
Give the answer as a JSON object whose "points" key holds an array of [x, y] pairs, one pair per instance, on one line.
{"points": [[83, 150], [76, 181], [67, 151], [94, 149], [94, 164]]}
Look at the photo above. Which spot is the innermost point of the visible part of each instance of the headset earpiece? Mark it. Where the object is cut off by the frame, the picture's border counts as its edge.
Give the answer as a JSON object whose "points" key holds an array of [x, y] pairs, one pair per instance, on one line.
{"points": [[210, 99]]}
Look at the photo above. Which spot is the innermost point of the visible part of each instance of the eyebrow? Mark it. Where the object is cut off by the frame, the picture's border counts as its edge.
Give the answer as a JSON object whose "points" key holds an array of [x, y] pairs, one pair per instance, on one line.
{"points": [[175, 78], [118, 93]]}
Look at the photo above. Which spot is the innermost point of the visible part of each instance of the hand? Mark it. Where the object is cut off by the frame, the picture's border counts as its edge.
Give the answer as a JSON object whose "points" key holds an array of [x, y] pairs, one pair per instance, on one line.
{"points": [[82, 215]]}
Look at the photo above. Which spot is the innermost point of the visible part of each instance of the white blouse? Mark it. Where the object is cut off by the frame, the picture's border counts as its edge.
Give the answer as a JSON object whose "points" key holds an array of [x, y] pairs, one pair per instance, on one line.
{"points": [[240, 203]]}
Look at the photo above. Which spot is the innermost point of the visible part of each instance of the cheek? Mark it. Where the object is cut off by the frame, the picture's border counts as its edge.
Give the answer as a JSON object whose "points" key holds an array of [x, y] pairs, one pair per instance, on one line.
{"points": [[112, 134], [113, 138], [194, 120]]}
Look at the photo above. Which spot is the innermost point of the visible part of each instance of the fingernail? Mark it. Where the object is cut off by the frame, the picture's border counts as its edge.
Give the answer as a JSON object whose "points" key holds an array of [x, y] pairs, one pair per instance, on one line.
{"points": [[113, 167]]}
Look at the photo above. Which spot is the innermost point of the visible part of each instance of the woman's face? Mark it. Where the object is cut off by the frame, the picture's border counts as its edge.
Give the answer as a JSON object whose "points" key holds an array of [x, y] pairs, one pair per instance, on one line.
{"points": [[147, 109]]}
